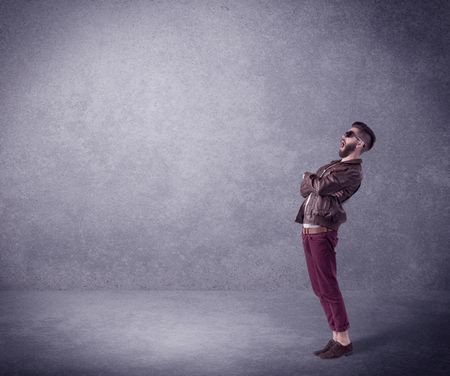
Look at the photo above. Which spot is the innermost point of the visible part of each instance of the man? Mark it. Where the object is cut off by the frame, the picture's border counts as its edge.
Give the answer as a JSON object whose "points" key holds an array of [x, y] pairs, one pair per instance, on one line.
{"points": [[321, 214]]}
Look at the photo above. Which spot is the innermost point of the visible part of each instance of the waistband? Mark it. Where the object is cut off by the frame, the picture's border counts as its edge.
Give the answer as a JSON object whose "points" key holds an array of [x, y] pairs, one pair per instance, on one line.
{"points": [[315, 230]]}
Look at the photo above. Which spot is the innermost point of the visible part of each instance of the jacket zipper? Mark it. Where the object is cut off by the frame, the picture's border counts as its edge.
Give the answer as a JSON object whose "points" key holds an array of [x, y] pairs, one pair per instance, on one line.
{"points": [[309, 197]]}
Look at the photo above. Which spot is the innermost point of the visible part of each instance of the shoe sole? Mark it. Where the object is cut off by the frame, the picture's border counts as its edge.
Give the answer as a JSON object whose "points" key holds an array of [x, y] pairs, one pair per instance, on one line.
{"points": [[347, 354], [320, 352]]}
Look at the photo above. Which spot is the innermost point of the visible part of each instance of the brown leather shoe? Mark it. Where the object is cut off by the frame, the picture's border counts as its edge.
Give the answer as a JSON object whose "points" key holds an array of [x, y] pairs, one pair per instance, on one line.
{"points": [[337, 350], [326, 348]]}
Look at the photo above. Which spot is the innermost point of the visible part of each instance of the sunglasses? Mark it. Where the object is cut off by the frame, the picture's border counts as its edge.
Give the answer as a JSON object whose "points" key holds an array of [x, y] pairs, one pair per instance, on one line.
{"points": [[350, 134]]}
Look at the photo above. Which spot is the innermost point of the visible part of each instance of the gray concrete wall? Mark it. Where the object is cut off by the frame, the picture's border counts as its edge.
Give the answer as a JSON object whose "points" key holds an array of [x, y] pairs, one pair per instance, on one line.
{"points": [[161, 144]]}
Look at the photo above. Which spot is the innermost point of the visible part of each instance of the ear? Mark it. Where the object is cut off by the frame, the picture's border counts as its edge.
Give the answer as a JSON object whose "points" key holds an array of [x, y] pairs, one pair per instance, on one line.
{"points": [[361, 146]]}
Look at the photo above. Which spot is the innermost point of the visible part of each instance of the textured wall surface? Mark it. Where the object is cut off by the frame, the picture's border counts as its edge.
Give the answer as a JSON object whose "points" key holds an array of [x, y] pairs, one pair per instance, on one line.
{"points": [[162, 144]]}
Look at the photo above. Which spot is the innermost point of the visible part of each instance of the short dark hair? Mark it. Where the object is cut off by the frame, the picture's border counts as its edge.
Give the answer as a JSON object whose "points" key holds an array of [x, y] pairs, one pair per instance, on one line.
{"points": [[364, 128]]}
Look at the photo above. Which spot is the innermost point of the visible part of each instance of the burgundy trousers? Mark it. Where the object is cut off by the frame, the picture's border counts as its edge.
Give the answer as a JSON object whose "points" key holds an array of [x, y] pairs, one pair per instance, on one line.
{"points": [[321, 262]]}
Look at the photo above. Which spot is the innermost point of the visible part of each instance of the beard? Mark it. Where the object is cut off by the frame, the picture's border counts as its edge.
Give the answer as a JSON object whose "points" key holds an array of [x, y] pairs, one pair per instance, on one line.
{"points": [[348, 148]]}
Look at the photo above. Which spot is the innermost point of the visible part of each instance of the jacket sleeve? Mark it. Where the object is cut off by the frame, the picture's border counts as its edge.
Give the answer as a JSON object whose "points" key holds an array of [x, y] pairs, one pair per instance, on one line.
{"points": [[332, 183], [305, 187]]}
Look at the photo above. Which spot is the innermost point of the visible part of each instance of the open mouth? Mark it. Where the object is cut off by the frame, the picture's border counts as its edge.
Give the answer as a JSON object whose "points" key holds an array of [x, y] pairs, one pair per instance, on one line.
{"points": [[342, 144]]}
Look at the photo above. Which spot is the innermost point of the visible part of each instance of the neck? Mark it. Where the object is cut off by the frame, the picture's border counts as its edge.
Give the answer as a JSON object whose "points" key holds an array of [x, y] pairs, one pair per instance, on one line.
{"points": [[351, 156]]}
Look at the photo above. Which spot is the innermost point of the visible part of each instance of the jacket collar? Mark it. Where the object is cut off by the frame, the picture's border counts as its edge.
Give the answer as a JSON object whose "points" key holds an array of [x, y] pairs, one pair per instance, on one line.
{"points": [[351, 161]]}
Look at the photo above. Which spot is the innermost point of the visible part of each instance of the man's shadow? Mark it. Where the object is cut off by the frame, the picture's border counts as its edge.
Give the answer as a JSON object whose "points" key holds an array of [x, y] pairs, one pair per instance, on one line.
{"points": [[418, 345]]}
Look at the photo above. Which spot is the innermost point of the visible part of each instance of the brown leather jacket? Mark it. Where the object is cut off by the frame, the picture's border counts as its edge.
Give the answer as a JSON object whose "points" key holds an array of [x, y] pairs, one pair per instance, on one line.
{"points": [[326, 190]]}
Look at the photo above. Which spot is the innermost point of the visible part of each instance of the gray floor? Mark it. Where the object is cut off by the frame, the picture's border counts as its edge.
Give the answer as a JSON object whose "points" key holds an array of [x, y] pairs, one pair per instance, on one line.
{"points": [[217, 333]]}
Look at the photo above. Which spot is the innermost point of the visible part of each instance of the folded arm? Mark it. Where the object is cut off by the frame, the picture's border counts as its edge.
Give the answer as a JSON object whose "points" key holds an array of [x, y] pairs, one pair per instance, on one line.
{"points": [[332, 184], [305, 187]]}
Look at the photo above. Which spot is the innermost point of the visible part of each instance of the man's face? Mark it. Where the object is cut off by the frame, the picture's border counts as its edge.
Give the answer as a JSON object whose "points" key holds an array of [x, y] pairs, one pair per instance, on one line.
{"points": [[348, 144]]}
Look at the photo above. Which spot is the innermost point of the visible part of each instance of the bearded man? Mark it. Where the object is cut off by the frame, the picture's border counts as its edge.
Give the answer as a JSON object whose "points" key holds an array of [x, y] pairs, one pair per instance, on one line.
{"points": [[321, 215]]}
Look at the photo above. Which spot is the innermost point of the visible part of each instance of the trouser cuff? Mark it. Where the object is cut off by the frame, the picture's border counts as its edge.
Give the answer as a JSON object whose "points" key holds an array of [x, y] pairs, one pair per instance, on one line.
{"points": [[343, 329]]}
